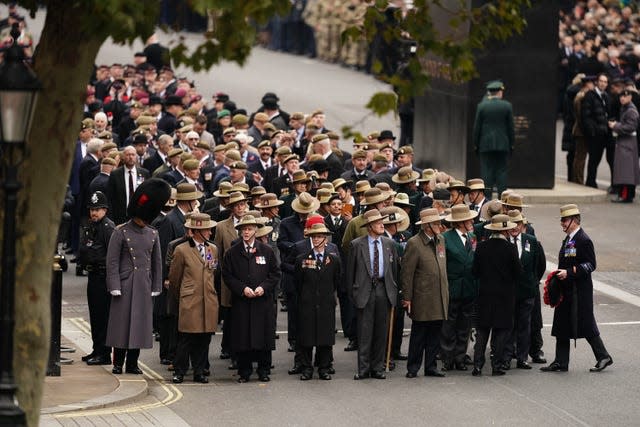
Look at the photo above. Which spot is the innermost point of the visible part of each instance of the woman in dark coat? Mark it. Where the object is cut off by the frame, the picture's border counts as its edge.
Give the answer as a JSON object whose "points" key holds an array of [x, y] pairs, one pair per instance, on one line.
{"points": [[317, 277], [497, 268], [626, 169], [574, 318], [251, 272]]}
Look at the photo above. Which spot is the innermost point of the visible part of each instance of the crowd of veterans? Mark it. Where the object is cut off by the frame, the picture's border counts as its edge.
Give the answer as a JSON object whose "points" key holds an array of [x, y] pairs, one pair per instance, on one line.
{"points": [[599, 57], [193, 219]]}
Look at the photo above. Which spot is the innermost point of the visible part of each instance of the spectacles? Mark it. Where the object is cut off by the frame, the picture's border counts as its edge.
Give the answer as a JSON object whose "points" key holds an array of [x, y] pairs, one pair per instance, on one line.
{"points": [[194, 139]]}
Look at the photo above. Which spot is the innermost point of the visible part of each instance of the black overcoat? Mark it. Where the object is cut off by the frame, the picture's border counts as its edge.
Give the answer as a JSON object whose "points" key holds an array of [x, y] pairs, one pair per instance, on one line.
{"points": [[497, 268], [316, 287], [253, 318], [579, 253]]}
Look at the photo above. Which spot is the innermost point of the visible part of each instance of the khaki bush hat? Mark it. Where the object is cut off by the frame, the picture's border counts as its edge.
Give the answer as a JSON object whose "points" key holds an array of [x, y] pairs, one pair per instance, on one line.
{"points": [[235, 197], [248, 220], [323, 195], [428, 216], [187, 192], [242, 187], [427, 175], [190, 165], [300, 176], [264, 231], [317, 229], [404, 175], [476, 184], [362, 186], [460, 213], [458, 185], [515, 200], [569, 210], [258, 190], [258, 216], [505, 194], [386, 188], [224, 188], [339, 182], [305, 203], [269, 200], [328, 186], [172, 198], [491, 208], [402, 199], [373, 196], [396, 216], [199, 221], [515, 216], [372, 216], [500, 222]]}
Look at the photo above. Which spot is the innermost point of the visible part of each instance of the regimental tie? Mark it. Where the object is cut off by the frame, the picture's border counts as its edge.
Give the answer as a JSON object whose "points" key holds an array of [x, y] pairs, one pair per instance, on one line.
{"points": [[319, 259], [131, 190], [467, 242], [336, 221], [248, 248], [376, 260], [202, 251]]}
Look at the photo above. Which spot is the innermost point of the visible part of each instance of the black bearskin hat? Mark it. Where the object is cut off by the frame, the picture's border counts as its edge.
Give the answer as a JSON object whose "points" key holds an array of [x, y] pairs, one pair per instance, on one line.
{"points": [[148, 199]]}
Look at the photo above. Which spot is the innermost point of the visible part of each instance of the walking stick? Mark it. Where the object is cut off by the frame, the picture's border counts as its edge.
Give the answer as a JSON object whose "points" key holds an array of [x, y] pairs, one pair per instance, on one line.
{"points": [[392, 312]]}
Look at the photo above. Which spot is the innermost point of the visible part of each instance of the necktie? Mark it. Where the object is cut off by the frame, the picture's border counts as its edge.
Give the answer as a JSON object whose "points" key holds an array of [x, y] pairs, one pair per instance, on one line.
{"points": [[319, 259], [376, 261], [248, 247], [131, 190], [202, 251], [336, 221], [467, 242]]}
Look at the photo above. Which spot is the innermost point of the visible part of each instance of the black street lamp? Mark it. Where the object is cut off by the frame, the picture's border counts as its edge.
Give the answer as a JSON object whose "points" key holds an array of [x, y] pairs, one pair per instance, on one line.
{"points": [[19, 87]]}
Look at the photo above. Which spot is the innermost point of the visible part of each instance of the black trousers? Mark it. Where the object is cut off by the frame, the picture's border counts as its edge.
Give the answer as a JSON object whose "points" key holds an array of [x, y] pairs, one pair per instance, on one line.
{"points": [[131, 354], [347, 311], [498, 338], [226, 330], [454, 337], [99, 301], [597, 147], [563, 345], [373, 322], [536, 342], [292, 315], [424, 341], [194, 346], [245, 359], [324, 358], [398, 330], [519, 339], [168, 329]]}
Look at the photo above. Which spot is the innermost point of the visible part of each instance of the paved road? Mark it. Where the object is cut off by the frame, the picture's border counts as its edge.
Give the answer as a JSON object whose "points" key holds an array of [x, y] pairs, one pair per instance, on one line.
{"points": [[519, 398]]}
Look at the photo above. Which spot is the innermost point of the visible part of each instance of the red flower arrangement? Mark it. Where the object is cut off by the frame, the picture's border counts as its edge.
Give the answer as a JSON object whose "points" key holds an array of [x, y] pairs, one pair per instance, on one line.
{"points": [[552, 294]]}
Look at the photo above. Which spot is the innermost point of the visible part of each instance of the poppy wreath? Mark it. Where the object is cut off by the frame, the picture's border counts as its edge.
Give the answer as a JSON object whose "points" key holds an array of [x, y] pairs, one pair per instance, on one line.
{"points": [[552, 294]]}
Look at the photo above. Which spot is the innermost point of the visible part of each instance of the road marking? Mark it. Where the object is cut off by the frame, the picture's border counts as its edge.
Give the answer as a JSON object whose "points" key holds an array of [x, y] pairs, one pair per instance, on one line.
{"points": [[608, 290], [173, 393]]}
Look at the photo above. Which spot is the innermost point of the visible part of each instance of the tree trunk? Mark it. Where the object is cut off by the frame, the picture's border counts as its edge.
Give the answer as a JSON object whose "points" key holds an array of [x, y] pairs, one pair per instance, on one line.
{"points": [[63, 63]]}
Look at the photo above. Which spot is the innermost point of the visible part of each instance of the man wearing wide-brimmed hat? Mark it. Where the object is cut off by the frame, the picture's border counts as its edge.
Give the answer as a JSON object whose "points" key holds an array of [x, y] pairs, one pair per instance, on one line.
{"points": [[269, 206], [299, 184], [317, 273], [574, 318], [426, 183], [463, 288], [372, 267], [406, 178], [513, 200], [291, 232], [374, 198], [527, 290], [191, 283], [251, 272], [496, 267], [425, 293], [476, 196]]}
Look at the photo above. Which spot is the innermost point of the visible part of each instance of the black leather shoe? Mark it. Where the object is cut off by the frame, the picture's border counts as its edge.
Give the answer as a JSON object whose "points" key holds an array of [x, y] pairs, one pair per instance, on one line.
{"points": [[166, 361], [411, 375], [133, 370], [116, 370], [399, 356], [352, 346], [538, 359], [378, 375], [225, 355], [292, 348], [432, 373], [331, 371], [505, 366], [523, 365], [602, 364], [460, 366], [324, 376], [242, 380], [554, 367], [467, 360], [177, 379], [206, 372], [360, 376], [201, 378], [306, 376], [392, 365], [448, 366], [264, 378], [497, 372], [476, 372], [99, 360], [295, 370], [88, 356]]}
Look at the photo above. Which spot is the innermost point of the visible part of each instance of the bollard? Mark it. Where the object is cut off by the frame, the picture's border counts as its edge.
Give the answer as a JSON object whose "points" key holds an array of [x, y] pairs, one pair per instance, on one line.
{"points": [[53, 366]]}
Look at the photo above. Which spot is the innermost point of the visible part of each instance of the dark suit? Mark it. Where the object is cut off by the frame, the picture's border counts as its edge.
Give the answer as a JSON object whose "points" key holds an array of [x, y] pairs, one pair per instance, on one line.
{"points": [[347, 310], [88, 170], [173, 177], [372, 297], [577, 289], [594, 113], [99, 183], [168, 123], [153, 162], [280, 183], [74, 183], [117, 193], [351, 175], [335, 166], [269, 176]]}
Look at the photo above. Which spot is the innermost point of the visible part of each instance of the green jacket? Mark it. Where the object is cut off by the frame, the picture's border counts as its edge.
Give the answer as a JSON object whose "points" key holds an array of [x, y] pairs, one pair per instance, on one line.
{"points": [[493, 129], [462, 284]]}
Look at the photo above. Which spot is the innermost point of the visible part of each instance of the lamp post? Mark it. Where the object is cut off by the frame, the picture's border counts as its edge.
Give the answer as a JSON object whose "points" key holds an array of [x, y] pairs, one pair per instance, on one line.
{"points": [[19, 87]]}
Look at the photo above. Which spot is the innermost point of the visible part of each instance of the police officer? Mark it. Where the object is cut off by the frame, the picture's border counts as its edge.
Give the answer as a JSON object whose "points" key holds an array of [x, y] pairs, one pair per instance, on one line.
{"points": [[93, 252]]}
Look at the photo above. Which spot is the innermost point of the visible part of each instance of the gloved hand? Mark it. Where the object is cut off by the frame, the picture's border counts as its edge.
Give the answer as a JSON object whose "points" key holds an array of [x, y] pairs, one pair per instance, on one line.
{"points": [[155, 294], [116, 293]]}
